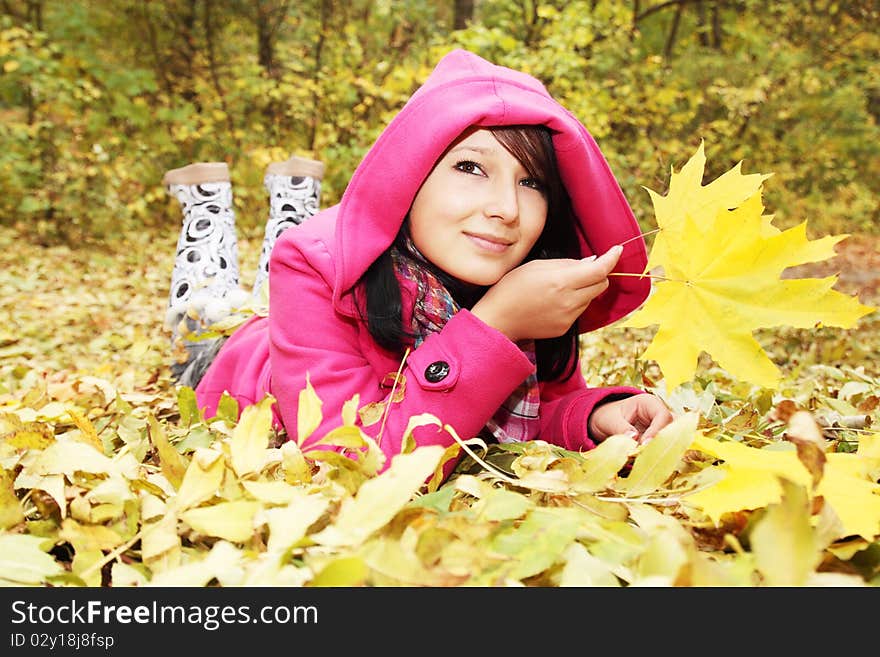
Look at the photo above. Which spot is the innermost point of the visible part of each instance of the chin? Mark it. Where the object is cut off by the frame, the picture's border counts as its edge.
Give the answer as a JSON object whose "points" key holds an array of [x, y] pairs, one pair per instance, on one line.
{"points": [[482, 280]]}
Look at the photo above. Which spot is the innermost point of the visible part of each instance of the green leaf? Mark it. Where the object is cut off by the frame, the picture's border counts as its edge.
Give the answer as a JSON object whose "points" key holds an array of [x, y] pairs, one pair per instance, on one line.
{"points": [[172, 463], [227, 409], [539, 541], [188, 406]]}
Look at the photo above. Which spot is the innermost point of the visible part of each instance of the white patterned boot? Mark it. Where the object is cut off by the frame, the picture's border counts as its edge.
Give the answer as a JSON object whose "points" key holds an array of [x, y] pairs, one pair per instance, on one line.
{"points": [[294, 188], [205, 279]]}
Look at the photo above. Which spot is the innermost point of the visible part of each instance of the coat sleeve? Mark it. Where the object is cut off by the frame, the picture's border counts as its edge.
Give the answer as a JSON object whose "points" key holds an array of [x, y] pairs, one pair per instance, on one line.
{"points": [[461, 374]]}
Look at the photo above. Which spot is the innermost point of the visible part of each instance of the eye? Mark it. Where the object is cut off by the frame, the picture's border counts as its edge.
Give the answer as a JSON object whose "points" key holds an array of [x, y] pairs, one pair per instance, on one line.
{"points": [[533, 183], [469, 166]]}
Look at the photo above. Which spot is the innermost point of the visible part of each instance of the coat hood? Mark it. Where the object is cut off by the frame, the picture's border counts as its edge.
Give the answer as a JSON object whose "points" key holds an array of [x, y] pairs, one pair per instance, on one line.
{"points": [[464, 90]]}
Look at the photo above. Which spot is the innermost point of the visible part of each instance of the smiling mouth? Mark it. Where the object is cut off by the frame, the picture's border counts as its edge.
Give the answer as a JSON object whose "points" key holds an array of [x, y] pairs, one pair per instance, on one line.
{"points": [[489, 242]]}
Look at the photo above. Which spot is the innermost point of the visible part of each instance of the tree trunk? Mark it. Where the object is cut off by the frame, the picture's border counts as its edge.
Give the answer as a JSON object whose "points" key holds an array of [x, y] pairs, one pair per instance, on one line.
{"points": [[268, 17], [464, 14], [673, 31], [214, 68], [322, 31], [31, 14], [716, 26], [702, 26], [265, 47]]}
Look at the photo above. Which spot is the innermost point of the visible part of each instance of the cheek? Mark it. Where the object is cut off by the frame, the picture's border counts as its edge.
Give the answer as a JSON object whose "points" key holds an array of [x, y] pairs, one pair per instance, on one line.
{"points": [[533, 225]]}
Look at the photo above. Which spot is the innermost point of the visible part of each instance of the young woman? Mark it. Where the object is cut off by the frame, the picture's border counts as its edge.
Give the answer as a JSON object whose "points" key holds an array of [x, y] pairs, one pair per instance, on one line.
{"points": [[471, 247]]}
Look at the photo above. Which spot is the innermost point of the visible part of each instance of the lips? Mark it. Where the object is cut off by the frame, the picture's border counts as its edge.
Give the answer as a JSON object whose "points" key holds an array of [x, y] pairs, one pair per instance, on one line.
{"points": [[489, 242]]}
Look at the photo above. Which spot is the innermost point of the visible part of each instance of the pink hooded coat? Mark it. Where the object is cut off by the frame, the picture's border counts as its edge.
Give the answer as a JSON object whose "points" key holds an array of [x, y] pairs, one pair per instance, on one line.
{"points": [[314, 328]]}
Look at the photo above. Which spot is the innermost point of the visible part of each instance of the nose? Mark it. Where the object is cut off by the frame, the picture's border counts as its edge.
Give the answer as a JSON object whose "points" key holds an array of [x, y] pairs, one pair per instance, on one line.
{"points": [[503, 201]]}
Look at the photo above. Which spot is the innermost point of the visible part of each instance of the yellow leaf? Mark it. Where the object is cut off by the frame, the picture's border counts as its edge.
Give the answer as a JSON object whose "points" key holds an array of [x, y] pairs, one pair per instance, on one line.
{"points": [[688, 196], [349, 410], [308, 415], [783, 542], [53, 484], [250, 438], [23, 559], [393, 563], [201, 480], [662, 559], [233, 521], [855, 499], [603, 463], [344, 436], [380, 498], [343, 571], [221, 562], [89, 537], [751, 481], [108, 390], [807, 437], [10, 507], [869, 454], [51, 412], [160, 538], [408, 443], [271, 492], [67, 457], [288, 525], [660, 457], [583, 569], [723, 262], [173, 463], [87, 430], [122, 574], [29, 435], [296, 469]]}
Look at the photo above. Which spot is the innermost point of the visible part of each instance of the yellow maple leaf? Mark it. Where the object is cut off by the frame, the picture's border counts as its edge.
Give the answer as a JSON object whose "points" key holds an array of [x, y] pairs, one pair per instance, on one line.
{"points": [[722, 262], [752, 480]]}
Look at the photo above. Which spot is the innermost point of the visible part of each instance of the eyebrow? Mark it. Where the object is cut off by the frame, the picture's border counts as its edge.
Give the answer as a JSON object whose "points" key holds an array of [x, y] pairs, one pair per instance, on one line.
{"points": [[477, 149]]}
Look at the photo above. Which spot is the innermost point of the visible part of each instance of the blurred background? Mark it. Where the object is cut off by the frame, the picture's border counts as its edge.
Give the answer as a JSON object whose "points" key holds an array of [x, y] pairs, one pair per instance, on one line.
{"points": [[99, 98]]}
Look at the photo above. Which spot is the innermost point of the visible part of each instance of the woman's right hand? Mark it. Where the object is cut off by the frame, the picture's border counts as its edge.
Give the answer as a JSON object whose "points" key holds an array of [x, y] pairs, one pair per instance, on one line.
{"points": [[543, 298]]}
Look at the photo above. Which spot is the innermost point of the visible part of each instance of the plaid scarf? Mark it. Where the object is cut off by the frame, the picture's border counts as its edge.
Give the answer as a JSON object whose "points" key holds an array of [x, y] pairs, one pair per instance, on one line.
{"points": [[517, 418]]}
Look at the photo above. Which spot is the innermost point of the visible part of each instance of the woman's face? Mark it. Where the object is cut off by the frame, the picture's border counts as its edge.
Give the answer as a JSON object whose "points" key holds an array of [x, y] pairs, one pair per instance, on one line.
{"points": [[478, 213]]}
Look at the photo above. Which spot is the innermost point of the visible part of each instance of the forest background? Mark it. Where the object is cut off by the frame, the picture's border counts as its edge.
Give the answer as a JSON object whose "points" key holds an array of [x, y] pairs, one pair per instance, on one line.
{"points": [[99, 98]]}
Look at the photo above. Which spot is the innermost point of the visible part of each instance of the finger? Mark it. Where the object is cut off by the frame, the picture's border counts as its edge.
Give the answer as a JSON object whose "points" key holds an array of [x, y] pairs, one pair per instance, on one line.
{"points": [[585, 295], [660, 420], [593, 270]]}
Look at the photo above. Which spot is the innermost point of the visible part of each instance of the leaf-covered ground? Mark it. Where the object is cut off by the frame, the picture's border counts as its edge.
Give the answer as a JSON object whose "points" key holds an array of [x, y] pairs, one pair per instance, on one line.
{"points": [[111, 477]]}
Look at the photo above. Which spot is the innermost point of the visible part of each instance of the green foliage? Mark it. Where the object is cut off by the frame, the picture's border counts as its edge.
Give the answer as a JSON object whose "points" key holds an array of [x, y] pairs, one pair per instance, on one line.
{"points": [[100, 99]]}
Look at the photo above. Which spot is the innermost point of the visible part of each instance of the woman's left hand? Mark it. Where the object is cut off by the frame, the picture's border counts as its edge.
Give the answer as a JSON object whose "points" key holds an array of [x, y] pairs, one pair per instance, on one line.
{"points": [[640, 416]]}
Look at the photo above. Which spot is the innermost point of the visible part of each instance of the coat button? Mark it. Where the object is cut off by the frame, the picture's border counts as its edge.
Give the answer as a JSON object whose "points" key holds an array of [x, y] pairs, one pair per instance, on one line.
{"points": [[437, 371]]}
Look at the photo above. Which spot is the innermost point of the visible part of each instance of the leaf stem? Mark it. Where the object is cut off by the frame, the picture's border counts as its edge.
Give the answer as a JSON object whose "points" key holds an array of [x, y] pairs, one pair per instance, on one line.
{"points": [[113, 554], [654, 276], [645, 234]]}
